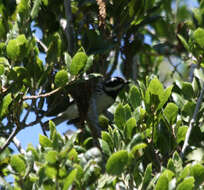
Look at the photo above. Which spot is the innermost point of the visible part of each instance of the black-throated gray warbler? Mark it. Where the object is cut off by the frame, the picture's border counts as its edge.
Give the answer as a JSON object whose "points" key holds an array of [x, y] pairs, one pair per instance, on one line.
{"points": [[104, 96]]}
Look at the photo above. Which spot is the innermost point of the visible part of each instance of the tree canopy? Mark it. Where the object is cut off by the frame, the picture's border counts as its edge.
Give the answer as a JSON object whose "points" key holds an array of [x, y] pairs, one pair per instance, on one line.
{"points": [[156, 138]]}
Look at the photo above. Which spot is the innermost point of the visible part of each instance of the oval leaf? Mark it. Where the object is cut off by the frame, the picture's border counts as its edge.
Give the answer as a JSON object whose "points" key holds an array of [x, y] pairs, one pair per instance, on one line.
{"points": [[78, 63], [18, 164], [61, 78], [135, 98], [170, 112], [120, 116], [5, 104], [199, 37], [117, 162], [70, 179], [44, 141]]}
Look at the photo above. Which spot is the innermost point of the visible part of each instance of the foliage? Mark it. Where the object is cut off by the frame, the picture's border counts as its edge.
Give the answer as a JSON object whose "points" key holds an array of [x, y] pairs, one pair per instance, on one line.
{"points": [[155, 140]]}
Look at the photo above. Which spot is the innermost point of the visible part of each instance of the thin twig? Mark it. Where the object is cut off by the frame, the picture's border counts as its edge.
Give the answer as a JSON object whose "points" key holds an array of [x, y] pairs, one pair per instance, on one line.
{"points": [[42, 95], [42, 44], [10, 138], [17, 143], [192, 122]]}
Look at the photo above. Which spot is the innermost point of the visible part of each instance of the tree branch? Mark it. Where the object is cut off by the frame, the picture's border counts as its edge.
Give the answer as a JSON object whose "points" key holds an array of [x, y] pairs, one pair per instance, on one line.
{"points": [[17, 143], [42, 95], [42, 44], [188, 133], [10, 138]]}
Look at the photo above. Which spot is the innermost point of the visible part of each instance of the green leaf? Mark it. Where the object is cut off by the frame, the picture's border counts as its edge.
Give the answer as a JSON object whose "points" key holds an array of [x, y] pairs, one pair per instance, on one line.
{"points": [[178, 164], [117, 162], [181, 134], [18, 164], [187, 184], [147, 176], [44, 141], [163, 97], [5, 104], [137, 147], [168, 173], [188, 109], [155, 87], [61, 78], [198, 36], [68, 60], [13, 49], [73, 155], [130, 125], [21, 40], [184, 173], [162, 183], [187, 90], [197, 171], [135, 98], [199, 74], [137, 138], [4, 61], [178, 99], [36, 8], [120, 116], [105, 147], [170, 112], [51, 172], [78, 63], [51, 156], [89, 63], [107, 137], [183, 41], [1, 69], [70, 179]]}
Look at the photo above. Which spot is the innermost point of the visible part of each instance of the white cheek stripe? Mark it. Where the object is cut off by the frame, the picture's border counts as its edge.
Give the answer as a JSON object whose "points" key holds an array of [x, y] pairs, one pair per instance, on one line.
{"points": [[109, 89]]}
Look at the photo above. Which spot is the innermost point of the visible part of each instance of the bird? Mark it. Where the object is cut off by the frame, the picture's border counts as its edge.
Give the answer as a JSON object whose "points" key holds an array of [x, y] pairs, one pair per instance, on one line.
{"points": [[104, 96]]}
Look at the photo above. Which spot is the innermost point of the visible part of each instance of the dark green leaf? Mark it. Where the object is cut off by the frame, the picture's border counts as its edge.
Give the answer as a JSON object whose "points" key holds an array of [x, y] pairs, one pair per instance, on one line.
{"points": [[120, 116], [130, 125], [117, 162], [187, 90], [135, 98], [147, 176], [170, 112]]}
